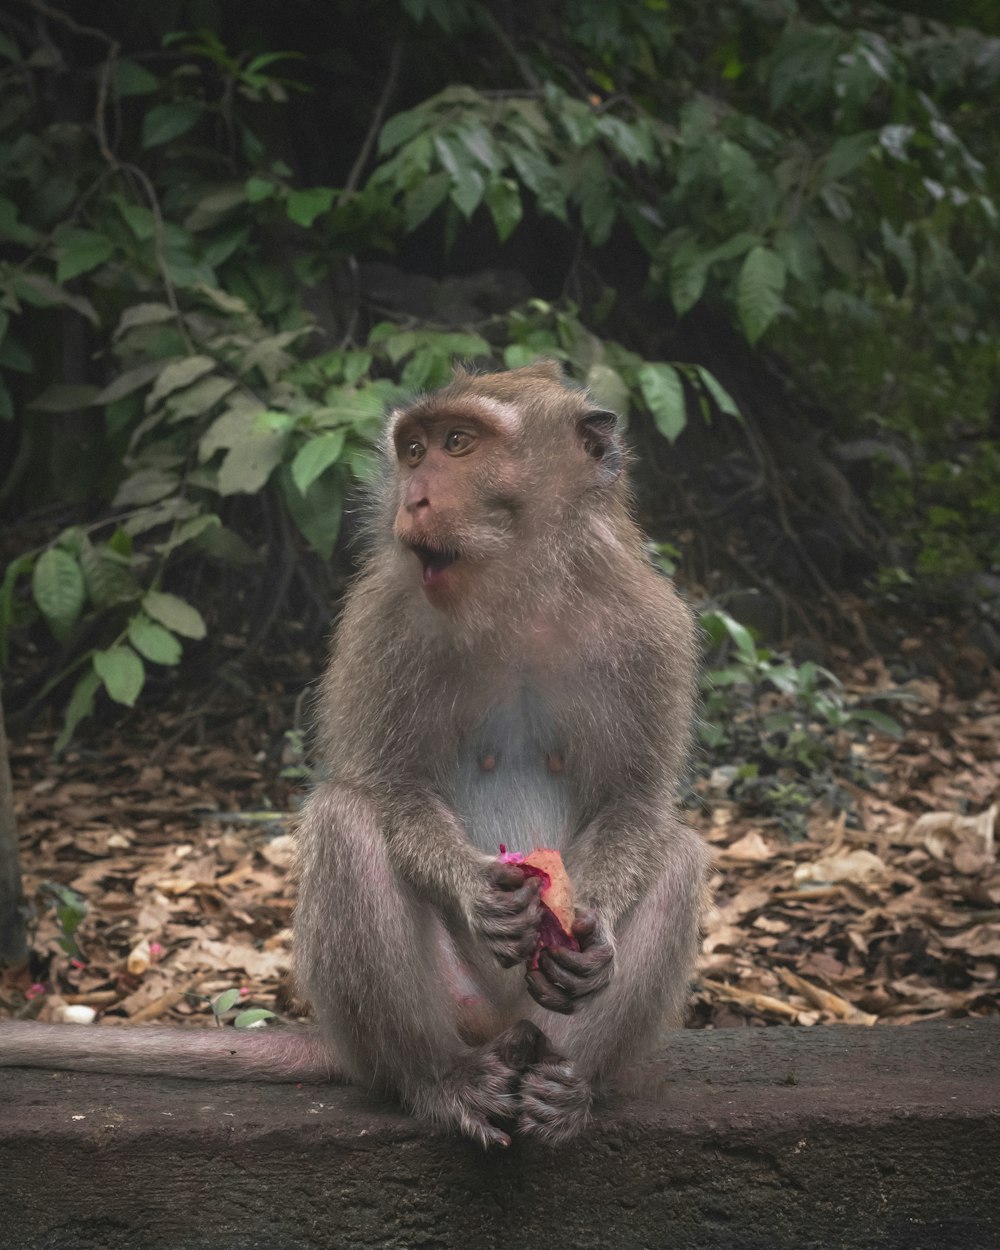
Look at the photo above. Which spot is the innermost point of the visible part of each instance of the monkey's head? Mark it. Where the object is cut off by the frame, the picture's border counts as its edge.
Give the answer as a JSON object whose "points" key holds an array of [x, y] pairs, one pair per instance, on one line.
{"points": [[499, 471]]}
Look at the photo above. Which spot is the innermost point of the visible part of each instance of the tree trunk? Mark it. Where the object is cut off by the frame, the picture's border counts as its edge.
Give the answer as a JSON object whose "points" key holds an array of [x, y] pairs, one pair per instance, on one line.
{"points": [[13, 943]]}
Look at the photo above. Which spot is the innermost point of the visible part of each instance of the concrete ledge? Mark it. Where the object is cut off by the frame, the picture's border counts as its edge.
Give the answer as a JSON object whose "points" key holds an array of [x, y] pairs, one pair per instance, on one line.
{"points": [[743, 1139]]}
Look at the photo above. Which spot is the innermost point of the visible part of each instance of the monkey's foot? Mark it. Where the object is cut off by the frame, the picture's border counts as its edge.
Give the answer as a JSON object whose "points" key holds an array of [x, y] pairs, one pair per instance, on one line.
{"points": [[480, 1090], [555, 1101]]}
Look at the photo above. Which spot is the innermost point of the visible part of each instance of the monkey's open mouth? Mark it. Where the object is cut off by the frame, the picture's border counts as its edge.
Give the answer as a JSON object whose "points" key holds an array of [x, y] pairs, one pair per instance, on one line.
{"points": [[435, 561]]}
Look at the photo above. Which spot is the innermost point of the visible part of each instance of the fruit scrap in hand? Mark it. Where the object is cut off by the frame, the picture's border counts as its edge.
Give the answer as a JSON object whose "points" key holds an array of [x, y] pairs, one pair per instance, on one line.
{"points": [[556, 896]]}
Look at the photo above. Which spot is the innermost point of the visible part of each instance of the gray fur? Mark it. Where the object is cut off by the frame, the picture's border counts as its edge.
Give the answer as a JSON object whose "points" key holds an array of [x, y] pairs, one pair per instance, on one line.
{"points": [[543, 697]]}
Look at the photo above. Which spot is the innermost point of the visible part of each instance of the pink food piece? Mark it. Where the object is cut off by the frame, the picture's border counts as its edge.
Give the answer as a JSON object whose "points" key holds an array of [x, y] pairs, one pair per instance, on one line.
{"points": [[556, 898]]}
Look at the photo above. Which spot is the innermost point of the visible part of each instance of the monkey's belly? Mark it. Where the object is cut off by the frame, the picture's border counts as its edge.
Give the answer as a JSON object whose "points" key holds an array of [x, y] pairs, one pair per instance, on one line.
{"points": [[510, 784]]}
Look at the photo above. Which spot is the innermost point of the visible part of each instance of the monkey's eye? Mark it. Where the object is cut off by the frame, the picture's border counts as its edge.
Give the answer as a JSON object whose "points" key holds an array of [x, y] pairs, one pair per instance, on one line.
{"points": [[458, 441], [413, 452]]}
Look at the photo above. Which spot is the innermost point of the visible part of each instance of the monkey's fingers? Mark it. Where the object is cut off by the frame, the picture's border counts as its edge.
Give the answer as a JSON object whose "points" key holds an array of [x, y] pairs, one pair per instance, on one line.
{"points": [[577, 973], [555, 1101], [547, 995], [510, 902], [585, 926], [484, 1132], [508, 924], [512, 938], [588, 963], [522, 1046], [508, 877]]}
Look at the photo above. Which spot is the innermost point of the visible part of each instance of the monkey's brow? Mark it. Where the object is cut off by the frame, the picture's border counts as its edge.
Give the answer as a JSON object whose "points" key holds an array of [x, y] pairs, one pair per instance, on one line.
{"points": [[491, 415]]}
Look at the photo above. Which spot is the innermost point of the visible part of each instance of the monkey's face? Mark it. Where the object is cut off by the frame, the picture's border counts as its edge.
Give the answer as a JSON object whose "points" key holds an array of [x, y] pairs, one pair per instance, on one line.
{"points": [[493, 473], [456, 500]]}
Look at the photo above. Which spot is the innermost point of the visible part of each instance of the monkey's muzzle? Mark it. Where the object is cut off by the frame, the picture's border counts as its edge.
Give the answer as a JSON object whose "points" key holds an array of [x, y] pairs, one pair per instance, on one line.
{"points": [[434, 560]]}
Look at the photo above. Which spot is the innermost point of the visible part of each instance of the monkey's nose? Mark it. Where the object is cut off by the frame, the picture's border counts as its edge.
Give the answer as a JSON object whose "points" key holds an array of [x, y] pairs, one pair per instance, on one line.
{"points": [[416, 506]]}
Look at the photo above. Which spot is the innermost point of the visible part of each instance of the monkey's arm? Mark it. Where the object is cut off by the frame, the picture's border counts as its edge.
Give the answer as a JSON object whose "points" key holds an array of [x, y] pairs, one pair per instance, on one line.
{"points": [[432, 853]]}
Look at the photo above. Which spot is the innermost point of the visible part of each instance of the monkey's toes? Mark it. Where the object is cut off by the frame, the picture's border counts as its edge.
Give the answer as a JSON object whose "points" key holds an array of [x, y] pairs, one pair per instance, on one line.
{"points": [[522, 1046], [555, 1102], [476, 1093]]}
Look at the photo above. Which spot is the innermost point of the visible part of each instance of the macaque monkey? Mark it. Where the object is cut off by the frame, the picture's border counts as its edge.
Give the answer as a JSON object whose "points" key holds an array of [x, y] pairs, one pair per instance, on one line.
{"points": [[508, 669]]}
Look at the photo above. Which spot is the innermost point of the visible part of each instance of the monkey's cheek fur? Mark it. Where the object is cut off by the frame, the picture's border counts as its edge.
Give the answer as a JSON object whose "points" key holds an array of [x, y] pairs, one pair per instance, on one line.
{"points": [[556, 897]]}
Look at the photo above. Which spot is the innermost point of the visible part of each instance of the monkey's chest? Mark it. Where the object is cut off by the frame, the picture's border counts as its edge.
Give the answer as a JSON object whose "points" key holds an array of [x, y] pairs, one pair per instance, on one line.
{"points": [[509, 783]]}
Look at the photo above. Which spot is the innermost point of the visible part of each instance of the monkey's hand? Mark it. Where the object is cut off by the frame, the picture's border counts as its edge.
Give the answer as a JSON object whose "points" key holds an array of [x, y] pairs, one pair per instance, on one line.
{"points": [[563, 976], [508, 913]]}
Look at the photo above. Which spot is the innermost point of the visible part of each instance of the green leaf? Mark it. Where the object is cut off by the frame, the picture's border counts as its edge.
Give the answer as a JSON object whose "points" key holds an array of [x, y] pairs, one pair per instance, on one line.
{"points": [[316, 456], [81, 704], [608, 388], [133, 79], [143, 315], [122, 672], [504, 202], [107, 575], [79, 251], [847, 154], [663, 392], [759, 290], [177, 374], [718, 392], [145, 486], [467, 190], [248, 1018], [364, 464], [139, 219], [58, 588], [688, 274], [226, 1000], [10, 228], [878, 720], [65, 397], [538, 176], [15, 570], [517, 355], [177, 614], [218, 542], [215, 206], [258, 189], [428, 195], [153, 641], [199, 399], [318, 513], [303, 207], [250, 462], [718, 625], [188, 532], [401, 128], [42, 292], [169, 121], [131, 380]]}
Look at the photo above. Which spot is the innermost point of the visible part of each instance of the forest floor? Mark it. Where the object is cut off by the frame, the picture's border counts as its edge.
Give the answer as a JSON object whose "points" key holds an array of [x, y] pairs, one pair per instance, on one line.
{"points": [[167, 838]]}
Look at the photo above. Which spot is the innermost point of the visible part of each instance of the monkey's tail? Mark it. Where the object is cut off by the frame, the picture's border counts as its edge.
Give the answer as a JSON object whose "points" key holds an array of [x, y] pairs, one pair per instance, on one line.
{"points": [[291, 1053]]}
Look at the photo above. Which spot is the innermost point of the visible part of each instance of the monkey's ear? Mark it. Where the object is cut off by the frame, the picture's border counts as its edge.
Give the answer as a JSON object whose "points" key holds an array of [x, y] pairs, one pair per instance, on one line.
{"points": [[597, 434]]}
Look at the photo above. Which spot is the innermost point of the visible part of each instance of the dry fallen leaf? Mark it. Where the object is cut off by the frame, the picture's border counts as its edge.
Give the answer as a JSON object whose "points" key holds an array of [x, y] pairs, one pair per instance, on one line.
{"points": [[826, 1000], [750, 847], [139, 958], [857, 866], [943, 833]]}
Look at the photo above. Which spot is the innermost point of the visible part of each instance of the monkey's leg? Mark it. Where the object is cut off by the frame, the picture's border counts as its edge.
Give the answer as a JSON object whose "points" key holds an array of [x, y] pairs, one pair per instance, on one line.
{"points": [[369, 958], [655, 950]]}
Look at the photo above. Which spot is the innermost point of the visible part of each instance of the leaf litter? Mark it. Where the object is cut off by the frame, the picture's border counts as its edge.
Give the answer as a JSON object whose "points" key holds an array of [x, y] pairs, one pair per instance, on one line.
{"points": [[184, 857]]}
